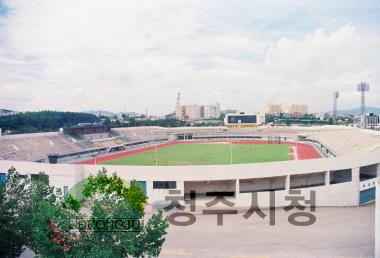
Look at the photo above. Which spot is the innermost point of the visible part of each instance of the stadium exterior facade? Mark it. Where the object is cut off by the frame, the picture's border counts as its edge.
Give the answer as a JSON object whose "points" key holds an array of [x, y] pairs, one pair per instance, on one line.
{"points": [[339, 194], [349, 179]]}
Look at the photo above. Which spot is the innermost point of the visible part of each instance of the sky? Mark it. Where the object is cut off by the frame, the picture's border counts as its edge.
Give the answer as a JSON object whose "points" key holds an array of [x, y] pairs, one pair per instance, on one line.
{"points": [[120, 55]]}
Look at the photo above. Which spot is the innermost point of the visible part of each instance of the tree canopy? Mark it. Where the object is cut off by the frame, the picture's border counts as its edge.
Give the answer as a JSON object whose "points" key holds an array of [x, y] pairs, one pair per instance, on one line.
{"points": [[43, 121], [37, 215]]}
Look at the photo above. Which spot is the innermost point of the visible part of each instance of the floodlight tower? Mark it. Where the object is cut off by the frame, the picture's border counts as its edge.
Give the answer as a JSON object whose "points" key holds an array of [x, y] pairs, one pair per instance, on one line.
{"points": [[362, 88], [178, 99], [336, 96]]}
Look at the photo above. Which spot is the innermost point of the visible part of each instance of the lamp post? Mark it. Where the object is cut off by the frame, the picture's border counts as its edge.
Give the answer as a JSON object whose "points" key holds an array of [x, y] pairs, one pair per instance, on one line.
{"points": [[335, 107], [155, 148], [363, 87], [231, 152]]}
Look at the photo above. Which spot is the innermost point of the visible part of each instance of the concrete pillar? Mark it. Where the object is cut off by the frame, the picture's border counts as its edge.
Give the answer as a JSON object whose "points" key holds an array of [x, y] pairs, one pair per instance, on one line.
{"points": [[149, 191], [356, 183], [287, 183], [237, 188], [327, 178], [181, 187]]}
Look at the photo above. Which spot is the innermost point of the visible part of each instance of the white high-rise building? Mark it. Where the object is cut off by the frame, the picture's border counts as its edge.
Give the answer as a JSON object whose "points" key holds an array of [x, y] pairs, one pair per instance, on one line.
{"points": [[298, 109], [273, 108], [211, 111], [194, 112]]}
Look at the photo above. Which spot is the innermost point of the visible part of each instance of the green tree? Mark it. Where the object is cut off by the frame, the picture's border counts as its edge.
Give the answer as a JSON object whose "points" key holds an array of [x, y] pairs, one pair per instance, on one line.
{"points": [[71, 203], [35, 214], [147, 240], [45, 222], [106, 185], [53, 234], [43, 121], [11, 205], [113, 199]]}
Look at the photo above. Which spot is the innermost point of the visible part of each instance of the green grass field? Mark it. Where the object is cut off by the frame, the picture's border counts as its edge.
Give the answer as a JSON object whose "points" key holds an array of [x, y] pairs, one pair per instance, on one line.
{"points": [[207, 154]]}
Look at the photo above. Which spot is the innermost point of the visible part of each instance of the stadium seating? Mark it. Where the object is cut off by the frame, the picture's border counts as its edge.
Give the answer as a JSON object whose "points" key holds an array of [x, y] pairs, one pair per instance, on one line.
{"points": [[35, 146], [134, 134], [350, 141], [341, 140]]}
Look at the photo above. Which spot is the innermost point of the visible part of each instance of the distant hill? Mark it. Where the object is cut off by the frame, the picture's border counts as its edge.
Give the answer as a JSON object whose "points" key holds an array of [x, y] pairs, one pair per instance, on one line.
{"points": [[132, 114], [6, 110], [43, 121], [356, 111], [108, 113], [102, 112]]}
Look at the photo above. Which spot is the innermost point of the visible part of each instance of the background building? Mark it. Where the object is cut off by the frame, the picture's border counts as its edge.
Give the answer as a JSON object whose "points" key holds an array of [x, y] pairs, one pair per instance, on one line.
{"points": [[322, 115], [273, 109], [297, 109], [211, 111], [189, 112], [369, 121], [194, 112]]}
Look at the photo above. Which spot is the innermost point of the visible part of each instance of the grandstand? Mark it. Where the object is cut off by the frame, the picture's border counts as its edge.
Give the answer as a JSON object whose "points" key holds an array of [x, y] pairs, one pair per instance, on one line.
{"points": [[339, 141], [134, 134], [350, 141], [31, 147]]}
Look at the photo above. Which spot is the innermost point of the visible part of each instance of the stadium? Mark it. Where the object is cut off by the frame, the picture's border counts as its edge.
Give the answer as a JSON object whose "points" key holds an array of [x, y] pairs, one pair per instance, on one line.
{"points": [[339, 164]]}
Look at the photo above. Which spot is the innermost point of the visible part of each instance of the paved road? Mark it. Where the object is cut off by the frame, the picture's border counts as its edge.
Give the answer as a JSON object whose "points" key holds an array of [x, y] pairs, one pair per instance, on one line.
{"points": [[338, 232]]}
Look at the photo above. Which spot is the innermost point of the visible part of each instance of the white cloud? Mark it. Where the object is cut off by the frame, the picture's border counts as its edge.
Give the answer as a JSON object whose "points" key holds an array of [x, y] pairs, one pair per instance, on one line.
{"points": [[84, 55]]}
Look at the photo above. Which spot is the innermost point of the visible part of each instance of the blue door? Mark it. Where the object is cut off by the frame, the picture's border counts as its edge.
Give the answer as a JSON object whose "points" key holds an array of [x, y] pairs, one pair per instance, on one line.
{"points": [[367, 195]]}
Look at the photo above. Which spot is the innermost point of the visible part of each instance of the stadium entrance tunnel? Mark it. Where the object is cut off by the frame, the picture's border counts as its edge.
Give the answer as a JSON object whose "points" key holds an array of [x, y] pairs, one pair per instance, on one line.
{"points": [[209, 189], [340, 176], [368, 172], [307, 180], [368, 180], [262, 184]]}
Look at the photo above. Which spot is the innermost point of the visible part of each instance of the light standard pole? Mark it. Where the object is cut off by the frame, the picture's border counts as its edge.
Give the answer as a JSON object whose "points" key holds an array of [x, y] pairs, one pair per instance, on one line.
{"points": [[231, 152], [156, 156]]}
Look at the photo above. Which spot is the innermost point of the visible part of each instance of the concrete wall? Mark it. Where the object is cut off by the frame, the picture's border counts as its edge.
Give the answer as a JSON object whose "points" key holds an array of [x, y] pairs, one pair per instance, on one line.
{"points": [[96, 136], [203, 187], [262, 184], [377, 221], [341, 194]]}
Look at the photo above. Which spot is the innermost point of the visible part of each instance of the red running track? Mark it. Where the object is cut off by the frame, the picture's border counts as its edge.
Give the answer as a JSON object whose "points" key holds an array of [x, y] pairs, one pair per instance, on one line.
{"points": [[304, 151]]}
